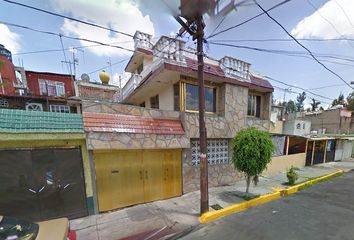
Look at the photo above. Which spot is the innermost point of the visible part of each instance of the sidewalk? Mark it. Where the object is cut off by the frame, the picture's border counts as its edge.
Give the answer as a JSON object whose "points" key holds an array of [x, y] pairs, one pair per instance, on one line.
{"points": [[156, 219]]}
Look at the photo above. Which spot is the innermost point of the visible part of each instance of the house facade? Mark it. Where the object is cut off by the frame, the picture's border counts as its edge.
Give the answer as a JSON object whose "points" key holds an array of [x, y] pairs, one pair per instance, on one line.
{"points": [[336, 120], [34, 91], [45, 169], [156, 123]]}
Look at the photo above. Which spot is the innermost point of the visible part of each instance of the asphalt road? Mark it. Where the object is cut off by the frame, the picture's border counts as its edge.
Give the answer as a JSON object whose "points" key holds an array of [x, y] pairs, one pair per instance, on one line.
{"points": [[322, 211]]}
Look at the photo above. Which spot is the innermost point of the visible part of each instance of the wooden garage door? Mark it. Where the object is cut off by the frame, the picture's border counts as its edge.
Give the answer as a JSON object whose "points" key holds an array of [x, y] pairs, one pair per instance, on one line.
{"points": [[126, 178]]}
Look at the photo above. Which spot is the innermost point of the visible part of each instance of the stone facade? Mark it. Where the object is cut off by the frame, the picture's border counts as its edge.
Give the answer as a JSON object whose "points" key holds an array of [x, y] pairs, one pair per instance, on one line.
{"points": [[218, 175], [230, 118], [123, 141]]}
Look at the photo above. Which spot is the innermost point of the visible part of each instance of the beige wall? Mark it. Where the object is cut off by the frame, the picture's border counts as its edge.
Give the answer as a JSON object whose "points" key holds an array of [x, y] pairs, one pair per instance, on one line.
{"points": [[276, 127], [166, 99], [283, 163]]}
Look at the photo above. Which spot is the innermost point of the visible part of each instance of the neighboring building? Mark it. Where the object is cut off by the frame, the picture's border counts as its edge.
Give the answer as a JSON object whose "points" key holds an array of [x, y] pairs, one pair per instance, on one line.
{"points": [[336, 120], [320, 150], [34, 91], [45, 170], [159, 135], [277, 119], [97, 91], [296, 125]]}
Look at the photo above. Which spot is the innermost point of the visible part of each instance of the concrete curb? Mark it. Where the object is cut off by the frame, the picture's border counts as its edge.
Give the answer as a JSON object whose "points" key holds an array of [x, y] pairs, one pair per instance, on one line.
{"points": [[239, 207]]}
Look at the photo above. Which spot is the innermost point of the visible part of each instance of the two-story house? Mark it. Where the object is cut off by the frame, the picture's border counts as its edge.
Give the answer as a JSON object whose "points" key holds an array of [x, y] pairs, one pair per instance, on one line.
{"points": [[34, 91], [152, 136]]}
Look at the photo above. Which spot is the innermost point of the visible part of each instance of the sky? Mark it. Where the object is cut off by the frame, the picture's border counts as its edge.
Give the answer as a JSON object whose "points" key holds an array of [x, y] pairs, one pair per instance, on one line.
{"points": [[303, 19]]}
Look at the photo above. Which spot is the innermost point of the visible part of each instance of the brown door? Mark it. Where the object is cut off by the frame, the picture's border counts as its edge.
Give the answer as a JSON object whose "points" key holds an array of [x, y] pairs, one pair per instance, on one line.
{"points": [[42, 183], [309, 153]]}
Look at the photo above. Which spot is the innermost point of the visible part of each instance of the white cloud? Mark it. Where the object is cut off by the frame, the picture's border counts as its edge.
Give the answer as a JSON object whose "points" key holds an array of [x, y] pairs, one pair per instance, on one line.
{"points": [[9, 39], [317, 27], [122, 15]]}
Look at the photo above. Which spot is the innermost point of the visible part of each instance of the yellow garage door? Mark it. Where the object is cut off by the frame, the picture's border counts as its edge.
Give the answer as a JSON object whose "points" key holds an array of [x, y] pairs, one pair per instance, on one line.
{"points": [[129, 177]]}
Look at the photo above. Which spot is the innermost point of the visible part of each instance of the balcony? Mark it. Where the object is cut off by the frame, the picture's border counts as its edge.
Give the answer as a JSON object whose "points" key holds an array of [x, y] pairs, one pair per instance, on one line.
{"points": [[235, 68], [169, 49], [142, 40], [136, 79]]}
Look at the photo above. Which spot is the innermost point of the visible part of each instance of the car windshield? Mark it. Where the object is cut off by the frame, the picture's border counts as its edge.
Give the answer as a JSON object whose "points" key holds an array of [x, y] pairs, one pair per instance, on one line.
{"points": [[16, 229]]}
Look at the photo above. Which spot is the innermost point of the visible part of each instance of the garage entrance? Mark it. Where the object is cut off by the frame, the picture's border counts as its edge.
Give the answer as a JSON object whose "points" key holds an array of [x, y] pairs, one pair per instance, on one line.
{"points": [[126, 178], [40, 184]]}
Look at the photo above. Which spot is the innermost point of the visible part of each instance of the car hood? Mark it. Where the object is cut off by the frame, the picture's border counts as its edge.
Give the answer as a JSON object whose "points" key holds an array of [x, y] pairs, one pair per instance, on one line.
{"points": [[56, 229]]}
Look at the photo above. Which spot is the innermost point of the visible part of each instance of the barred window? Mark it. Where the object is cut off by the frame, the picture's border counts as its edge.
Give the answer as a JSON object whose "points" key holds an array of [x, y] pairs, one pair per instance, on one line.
{"points": [[218, 151]]}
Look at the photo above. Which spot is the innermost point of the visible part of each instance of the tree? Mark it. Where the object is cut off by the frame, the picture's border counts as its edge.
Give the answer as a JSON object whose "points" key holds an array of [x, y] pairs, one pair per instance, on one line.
{"points": [[300, 101], [290, 106], [314, 104], [339, 101], [350, 101], [252, 151]]}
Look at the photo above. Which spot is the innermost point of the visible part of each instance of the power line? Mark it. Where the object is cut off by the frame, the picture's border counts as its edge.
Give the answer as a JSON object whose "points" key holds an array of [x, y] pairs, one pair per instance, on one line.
{"points": [[297, 87], [66, 62], [70, 18], [324, 66], [248, 20], [286, 40], [324, 18], [69, 37], [334, 85], [66, 49], [99, 69], [289, 53], [345, 13]]}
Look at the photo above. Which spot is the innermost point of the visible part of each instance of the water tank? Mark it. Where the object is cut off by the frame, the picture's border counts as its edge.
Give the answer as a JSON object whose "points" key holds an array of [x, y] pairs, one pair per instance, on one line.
{"points": [[104, 77], [6, 53]]}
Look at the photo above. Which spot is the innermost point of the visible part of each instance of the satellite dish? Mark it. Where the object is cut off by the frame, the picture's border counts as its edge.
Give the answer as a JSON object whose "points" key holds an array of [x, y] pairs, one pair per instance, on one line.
{"points": [[85, 77]]}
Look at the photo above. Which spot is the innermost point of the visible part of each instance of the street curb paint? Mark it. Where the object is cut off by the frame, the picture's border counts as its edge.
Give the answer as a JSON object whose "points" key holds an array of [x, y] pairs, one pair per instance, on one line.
{"points": [[211, 216], [296, 188], [239, 207]]}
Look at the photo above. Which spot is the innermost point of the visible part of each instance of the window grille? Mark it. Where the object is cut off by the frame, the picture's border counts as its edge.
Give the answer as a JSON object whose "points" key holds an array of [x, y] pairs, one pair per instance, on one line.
{"points": [[218, 151], [4, 103]]}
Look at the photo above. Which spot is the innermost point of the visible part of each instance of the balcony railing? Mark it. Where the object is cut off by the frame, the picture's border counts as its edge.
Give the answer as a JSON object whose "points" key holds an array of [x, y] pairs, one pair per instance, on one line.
{"points": [[170, 49], [136, 79], [235, 68], [142, 40]]}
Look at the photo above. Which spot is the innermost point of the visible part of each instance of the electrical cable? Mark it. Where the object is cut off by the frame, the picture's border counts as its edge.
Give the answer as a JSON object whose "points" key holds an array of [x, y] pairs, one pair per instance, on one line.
{"points": [[319, 62], [345, 13], [248, 20], [69, 18]]}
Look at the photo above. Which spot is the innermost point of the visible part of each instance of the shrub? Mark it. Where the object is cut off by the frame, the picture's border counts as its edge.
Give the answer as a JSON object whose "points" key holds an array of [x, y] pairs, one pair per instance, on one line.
{"points": [[252, 151], [292, 176]]}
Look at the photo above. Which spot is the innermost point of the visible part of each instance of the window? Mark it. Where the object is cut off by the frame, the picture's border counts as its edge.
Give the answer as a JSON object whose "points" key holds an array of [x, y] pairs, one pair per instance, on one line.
{"points": [[142, 104], [176, 99], [303, 126], [298, 126], [4, 103], [51, 88], [218, 151], [154, 102], [59, 108], [254, 106], [190, 98]]}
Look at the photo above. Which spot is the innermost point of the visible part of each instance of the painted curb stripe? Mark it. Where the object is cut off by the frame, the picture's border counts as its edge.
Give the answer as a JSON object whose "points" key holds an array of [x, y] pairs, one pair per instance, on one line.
{"points": [[239, 207]]}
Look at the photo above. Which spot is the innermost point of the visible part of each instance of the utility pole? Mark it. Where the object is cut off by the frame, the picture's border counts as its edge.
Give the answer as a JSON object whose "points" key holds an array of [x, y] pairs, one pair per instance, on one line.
{"points": [[204, 195], [192, 12]]}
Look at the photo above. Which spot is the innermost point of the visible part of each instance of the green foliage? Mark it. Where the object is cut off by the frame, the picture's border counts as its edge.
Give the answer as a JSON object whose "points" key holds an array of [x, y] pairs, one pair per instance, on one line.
{"points": [[290, 106], [314, 104], [292, 176], [339, 101], [300, 99], [252, 151], [350, 101]]}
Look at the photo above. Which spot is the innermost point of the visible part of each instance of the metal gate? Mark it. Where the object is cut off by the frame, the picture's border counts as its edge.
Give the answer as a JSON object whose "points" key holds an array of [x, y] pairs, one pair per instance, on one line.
{"points": [[126, 178], [39, 184]]}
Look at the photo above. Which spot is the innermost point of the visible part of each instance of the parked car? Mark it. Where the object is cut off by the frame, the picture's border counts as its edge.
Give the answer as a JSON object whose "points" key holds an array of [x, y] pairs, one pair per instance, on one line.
{"points": [[18, 229]]}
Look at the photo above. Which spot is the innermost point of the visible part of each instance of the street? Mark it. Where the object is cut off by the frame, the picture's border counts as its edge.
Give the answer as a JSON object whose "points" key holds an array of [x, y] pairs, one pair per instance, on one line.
{"points": [[322, 211]]}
